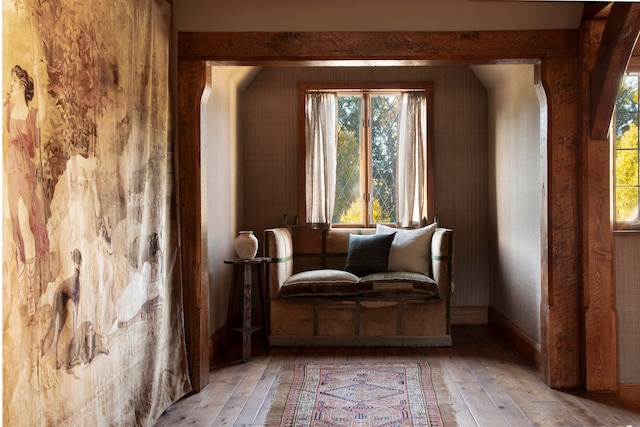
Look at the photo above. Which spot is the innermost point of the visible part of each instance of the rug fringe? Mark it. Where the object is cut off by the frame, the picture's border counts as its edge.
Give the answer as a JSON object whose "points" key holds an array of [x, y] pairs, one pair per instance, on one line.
{"points": [[447, 411], [285, 379]]}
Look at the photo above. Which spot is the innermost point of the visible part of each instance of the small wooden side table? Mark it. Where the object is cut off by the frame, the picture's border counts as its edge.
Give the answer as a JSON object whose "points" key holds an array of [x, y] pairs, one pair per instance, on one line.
{"points": [[245, 265]]}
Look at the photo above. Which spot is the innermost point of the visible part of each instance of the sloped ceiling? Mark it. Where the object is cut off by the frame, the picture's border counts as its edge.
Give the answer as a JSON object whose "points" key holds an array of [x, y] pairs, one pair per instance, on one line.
{"points": [[491, 75], [240, 76]]}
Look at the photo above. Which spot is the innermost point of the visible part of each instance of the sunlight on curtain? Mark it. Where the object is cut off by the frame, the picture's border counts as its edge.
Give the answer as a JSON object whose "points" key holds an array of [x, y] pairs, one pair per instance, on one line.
{"points": [[320, 166], [412, 159]]}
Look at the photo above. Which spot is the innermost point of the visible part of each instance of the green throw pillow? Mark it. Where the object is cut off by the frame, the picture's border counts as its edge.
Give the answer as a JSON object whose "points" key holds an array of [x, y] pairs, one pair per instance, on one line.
{"points": [[368, 254]]}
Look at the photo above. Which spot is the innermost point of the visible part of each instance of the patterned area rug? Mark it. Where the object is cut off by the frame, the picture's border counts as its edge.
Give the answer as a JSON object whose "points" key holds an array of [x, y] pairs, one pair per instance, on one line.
{"points": [[354, 395]]}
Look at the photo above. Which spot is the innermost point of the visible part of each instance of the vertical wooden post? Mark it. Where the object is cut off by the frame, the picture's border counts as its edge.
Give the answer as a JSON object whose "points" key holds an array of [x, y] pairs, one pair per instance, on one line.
{"points": [[559, 311], [598, 295], [191, 83]]}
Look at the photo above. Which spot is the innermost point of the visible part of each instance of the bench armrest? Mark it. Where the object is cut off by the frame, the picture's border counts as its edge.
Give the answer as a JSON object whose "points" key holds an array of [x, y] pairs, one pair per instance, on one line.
{"points": [[442, 257], [279, 247]]}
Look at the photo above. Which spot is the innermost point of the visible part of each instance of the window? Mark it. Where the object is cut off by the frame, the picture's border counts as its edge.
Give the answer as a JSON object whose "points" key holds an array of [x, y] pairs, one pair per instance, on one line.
{"points": [[627, 154], [378, 176], [366, 158]]}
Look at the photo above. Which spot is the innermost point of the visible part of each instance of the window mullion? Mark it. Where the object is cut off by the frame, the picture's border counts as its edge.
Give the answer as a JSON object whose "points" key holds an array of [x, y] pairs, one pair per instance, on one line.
{"points": [[366, 160]]}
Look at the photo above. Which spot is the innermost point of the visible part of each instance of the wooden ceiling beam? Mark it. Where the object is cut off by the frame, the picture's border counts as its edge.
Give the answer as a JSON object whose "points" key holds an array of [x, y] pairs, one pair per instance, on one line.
{"points": [[618, 40], [371, 48]]}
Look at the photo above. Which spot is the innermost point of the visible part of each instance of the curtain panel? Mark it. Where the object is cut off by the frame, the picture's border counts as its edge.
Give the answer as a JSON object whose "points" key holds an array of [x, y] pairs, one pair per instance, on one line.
{"points": [[93, 328], [411, 170], [321, 156]]}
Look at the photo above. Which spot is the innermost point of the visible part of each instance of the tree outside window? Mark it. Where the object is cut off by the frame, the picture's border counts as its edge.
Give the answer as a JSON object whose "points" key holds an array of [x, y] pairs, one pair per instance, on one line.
{"points": [[627, 154], [374, 197]]}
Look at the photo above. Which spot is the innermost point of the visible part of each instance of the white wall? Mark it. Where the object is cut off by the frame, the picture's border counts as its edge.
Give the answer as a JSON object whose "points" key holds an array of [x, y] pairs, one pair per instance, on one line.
{"points": [[219, 154], [515, 194]]}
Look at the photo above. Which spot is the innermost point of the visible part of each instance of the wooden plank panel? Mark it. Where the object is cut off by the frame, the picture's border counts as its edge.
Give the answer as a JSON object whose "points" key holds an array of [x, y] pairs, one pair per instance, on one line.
{"points": [[610, 408], [578, 411], [463, 416], [556, 414], [271, 376], [233, 408], [505, 404], [522, 399], [481, 406]]}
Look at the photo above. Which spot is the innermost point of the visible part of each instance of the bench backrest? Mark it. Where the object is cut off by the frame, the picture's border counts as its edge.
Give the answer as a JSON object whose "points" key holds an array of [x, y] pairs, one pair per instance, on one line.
{"points": [[322, 248]]}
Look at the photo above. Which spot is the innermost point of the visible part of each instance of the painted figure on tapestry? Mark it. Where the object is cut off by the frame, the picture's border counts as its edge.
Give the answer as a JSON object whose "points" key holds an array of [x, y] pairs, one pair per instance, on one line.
{"points": [[67, 295], [105, 272], [144, 286], [83, 204], [27, 222]]}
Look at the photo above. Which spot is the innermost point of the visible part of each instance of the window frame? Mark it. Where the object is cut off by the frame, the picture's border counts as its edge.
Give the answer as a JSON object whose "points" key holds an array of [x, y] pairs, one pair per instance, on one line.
{"points": [[619, 226], [372, 87]]}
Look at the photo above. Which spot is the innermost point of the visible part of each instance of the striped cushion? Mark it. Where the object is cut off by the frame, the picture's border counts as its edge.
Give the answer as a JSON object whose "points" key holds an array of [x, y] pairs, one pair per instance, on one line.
{"points": [[400, 284], [325, 282]]}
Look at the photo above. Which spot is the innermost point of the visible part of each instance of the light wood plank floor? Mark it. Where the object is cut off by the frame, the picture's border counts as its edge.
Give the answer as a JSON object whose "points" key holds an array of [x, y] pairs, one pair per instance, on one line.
{"points": [[488, 384]]}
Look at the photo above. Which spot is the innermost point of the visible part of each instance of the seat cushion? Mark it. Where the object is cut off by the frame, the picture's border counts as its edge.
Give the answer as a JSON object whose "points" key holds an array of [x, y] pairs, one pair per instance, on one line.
{"points": [[315, 283], [398, 284]]}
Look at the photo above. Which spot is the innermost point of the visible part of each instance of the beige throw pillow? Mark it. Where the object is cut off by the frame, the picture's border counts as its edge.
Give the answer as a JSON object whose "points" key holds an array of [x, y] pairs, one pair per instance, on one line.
{"points": [[410, 249]]}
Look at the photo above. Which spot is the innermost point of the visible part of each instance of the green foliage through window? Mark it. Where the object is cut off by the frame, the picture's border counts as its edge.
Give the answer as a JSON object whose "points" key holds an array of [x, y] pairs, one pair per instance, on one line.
{"points": [[627, 152], [367, 123], [348, 189]]}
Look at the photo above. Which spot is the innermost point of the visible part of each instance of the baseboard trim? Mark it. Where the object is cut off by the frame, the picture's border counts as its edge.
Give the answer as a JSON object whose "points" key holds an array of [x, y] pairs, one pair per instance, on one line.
{"points": [[520, 341], [630, 394], [469, 315], [362, 341], [216, 345]]}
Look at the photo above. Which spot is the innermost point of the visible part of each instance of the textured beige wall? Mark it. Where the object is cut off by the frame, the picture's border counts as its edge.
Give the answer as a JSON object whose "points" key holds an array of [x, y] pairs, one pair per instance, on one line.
{"points": [[627, 273], [269, 139], [219, 154], [514, 195]]}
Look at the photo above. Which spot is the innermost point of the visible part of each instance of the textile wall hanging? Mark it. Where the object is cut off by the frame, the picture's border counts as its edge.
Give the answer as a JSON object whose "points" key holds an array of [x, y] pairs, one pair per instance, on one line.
{"points": [[92, 316]]}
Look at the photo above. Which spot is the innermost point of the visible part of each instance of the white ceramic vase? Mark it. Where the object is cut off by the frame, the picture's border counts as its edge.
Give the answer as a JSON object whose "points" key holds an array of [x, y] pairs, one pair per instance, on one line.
{"points": [[246, 245]]}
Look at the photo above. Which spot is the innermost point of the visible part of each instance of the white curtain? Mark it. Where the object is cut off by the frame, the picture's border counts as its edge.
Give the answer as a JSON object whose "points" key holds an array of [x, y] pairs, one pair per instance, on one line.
{"points": [[320, 168], [412, 159]]}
